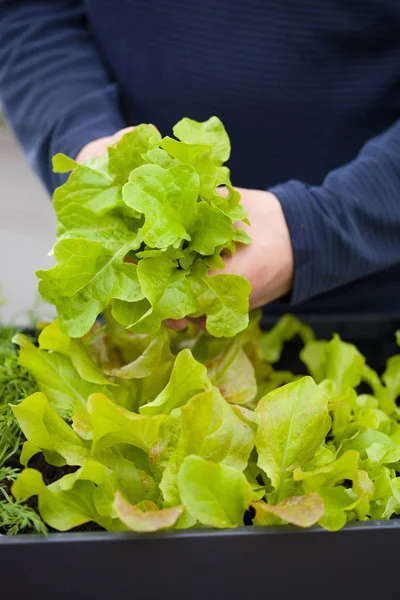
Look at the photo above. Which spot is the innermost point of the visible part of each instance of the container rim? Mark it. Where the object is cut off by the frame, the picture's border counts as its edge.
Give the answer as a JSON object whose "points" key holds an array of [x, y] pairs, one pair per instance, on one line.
{"points": [[240, 532]]}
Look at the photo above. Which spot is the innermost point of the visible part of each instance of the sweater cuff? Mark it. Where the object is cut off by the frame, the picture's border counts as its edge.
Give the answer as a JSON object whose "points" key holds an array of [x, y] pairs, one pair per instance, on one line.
{"points": [[303, 228], [93, 116]]}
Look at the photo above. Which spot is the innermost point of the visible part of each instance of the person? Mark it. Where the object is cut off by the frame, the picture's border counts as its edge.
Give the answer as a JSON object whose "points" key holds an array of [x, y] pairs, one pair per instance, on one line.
{"points": [[309, 91]]}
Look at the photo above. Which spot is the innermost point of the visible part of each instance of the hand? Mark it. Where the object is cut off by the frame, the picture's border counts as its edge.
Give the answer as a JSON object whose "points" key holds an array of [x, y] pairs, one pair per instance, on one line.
{"points": [[267, 263], [98, 147]]}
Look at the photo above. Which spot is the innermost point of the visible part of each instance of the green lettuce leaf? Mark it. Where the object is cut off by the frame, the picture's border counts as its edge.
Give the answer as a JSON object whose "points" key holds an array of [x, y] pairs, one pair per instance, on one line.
{"points": [[364, 489], [113, 424], [338, 502], [166, 444], [384, 399], [167, 292], [386, 497], [303, 511], [209, 428], [216, 495], [223, 299], [76, 222], [85, 280], [147, 517], [57, 378], [145, 352], [272, 341], [127, 154], [168, 200], [210, 229], [188, 377], [211, 174], [345, 364], [314, 356], [92, 188], [211, 133], [345, 467], [158, 156], [46, 431], [52, 338], [63, 164], [293, 424], [241, 236], [166, 288], [336, 360], [72, 500], [233, 373], [131, 472], [391, 377]]}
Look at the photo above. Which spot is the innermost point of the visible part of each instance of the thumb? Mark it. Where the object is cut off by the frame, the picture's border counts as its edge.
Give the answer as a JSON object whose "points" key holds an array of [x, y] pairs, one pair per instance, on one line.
{"points": [[119, 134]]}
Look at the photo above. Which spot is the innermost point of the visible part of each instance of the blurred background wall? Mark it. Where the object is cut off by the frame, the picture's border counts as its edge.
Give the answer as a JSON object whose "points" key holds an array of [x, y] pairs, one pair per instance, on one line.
{"points": [[27, 229]]}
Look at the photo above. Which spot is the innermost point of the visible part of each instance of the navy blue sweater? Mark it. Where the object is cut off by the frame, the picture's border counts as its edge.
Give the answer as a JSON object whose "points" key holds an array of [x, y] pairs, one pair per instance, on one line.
{"points": [[309, 91]]}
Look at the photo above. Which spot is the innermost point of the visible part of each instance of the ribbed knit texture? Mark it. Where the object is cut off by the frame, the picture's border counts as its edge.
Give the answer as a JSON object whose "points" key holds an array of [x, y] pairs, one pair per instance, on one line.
{"points": [[301, 85]]}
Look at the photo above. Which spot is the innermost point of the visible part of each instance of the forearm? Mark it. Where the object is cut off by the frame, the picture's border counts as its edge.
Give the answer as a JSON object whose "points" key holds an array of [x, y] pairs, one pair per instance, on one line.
{"points": [[349, 227], [54, 87]]}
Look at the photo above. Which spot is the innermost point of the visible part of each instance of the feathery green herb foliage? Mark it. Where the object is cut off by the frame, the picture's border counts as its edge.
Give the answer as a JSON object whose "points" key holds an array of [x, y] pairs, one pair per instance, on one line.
{"points": [[16, 383], [15, 516]]}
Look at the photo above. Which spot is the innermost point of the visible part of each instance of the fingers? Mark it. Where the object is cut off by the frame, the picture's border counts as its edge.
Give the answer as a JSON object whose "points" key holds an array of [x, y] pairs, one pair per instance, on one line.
{"points": [[93, 149], [119, 134], [200, 322], [238, 264], [177, 324], [97, 148], [222, 191], [181, 324]]}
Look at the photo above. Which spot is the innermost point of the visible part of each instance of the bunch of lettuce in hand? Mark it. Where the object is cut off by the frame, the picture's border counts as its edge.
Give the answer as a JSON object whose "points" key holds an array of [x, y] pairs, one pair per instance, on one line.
{"points": [[140, 228]]}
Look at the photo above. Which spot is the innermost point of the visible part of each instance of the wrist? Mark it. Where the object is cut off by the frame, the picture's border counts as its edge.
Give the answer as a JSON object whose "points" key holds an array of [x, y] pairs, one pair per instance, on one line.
{"points": [[299, 214], [283, 249]]}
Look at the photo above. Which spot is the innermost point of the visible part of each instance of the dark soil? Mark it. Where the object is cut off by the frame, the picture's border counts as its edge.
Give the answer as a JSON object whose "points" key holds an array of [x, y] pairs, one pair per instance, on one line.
{"points": [[249, 516], [50, 474]]}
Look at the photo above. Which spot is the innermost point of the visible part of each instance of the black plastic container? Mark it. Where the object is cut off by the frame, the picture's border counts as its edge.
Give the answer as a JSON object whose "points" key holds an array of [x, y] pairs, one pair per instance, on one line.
{"points": [[358, 563], [361, 561]]}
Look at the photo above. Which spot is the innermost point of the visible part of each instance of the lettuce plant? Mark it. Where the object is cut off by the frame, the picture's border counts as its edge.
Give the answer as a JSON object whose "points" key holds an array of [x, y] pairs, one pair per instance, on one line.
{"points": [[174, 431], [139, 229]]}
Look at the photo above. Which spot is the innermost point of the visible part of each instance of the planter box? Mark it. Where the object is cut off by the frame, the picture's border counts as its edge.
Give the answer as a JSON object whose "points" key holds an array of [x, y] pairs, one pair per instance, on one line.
{"points": [[280, 563]]}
